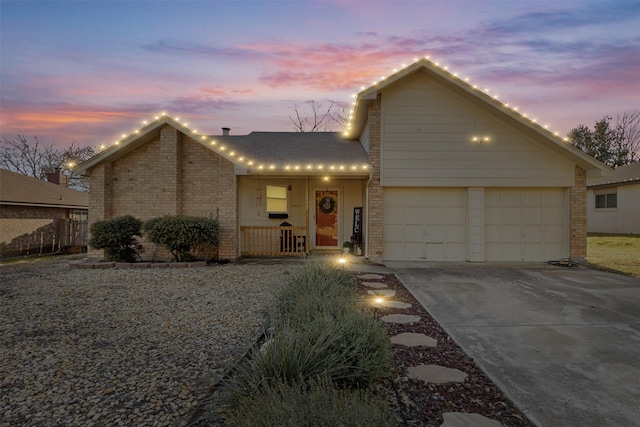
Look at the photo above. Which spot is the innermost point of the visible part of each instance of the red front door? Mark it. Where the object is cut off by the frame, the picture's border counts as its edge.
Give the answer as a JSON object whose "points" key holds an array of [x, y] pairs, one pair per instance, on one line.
{"points": [[326, 218]]}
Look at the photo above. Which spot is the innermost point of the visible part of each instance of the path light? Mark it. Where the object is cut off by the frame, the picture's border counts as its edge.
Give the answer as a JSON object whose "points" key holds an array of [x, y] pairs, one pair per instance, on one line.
{"points": [[342, 260], [378, 300]]}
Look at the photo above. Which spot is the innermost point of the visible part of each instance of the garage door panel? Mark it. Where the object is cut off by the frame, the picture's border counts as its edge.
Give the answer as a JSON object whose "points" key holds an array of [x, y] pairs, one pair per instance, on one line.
{"points": [[434, 216], [533, 250], [455, 234], [493, 215], [512, 215], [413, 250], [393, 232], [553, 198], [434, 233], [531, 198], [511, 233], [413, 233], [455, 251], [392, 215], [414, 215], [414, 197], [511, 251], [553, 234], [434, 197], [456, 215], [394, 250], [532, 215], [532, 233], [434, 251], [455, 198], [394, 199], [511, 198], [553, 216]]}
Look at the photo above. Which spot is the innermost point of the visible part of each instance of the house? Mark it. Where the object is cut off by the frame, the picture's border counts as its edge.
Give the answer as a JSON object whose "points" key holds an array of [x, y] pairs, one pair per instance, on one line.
{"points": [[613, 201], [37, 216], [430, 168]]}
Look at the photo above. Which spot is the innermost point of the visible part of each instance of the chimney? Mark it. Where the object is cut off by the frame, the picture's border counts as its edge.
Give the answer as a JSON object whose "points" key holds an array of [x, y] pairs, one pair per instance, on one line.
{"points": [[225, 131], [57, 177]]}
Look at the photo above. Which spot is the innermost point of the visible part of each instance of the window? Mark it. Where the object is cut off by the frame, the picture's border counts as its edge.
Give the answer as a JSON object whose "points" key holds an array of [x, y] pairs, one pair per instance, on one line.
{"points": [[276, 199], [79, 215], [604, 201]]}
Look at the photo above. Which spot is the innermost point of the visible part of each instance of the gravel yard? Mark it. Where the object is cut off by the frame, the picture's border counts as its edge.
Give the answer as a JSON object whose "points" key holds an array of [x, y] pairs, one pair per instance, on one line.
{"points": [[123, 346]]}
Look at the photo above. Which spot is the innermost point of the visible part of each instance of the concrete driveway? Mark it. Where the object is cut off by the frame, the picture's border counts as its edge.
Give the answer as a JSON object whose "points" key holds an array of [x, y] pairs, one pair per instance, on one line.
{"points": [[563, 344]]}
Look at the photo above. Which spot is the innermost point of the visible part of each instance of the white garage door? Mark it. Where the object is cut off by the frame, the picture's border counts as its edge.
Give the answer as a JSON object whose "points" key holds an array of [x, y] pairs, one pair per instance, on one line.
{"points": [[524, 224], [424, 224]]}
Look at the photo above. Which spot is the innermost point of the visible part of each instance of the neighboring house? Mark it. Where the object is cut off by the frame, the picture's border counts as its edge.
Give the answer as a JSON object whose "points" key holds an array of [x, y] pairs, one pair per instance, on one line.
{"points": [[430, 169], [613, 201], [37, 216]]}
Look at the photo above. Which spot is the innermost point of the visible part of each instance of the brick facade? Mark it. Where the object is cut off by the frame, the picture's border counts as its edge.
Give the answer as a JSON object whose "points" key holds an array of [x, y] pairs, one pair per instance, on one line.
{"points": [[375, 212], [578, 215], [172, 174]]}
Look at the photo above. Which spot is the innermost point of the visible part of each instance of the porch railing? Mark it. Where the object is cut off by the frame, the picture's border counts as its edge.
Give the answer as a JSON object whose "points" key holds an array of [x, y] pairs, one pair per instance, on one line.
{"points": [[273, 241]]}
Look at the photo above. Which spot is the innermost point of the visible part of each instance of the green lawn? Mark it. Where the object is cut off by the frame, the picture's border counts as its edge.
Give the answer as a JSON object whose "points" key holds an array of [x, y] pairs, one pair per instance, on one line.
{"points": [[617, 252]]}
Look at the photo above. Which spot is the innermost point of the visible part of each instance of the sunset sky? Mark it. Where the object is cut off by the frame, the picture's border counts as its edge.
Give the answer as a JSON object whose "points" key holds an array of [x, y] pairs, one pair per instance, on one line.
{"points": [[91, 70]]}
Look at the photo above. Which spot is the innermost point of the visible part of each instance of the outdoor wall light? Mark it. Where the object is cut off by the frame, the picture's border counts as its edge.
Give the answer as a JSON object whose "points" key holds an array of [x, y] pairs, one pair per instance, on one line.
{"points": [[480, 139]]}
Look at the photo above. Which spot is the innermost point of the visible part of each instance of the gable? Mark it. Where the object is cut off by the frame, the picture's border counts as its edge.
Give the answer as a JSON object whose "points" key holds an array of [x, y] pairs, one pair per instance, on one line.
{"points": [[427, 139], [552, 142], [155, 177]]}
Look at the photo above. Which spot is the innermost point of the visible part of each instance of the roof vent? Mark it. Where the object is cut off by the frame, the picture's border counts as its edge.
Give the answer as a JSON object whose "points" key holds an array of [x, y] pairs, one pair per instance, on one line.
{"points": [[225, 131]]}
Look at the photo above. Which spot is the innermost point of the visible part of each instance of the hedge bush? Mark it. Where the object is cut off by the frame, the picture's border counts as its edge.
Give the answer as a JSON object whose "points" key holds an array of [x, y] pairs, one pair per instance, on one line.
{"points": [[117, 237], [182, 234]]}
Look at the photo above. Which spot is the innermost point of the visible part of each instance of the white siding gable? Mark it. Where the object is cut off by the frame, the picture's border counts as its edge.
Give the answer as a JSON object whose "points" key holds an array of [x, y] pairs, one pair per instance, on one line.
{"points": [[427, 131]]}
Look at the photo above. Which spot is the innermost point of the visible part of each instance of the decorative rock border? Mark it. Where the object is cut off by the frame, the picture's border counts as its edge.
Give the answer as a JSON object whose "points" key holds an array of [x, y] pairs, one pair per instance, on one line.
{"points": [[107, 265]]}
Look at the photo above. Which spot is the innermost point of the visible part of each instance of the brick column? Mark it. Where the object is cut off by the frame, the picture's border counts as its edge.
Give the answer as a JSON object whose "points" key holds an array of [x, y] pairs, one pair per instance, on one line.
{"points": [[228, 211], [375, 211], [169, 178], [100, 199], [578, 214]]}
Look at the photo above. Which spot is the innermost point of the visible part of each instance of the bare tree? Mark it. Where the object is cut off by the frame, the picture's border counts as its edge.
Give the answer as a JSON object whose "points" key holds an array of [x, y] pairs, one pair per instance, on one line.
{"points": [[36, 159], [319, 118], [628, 128]]}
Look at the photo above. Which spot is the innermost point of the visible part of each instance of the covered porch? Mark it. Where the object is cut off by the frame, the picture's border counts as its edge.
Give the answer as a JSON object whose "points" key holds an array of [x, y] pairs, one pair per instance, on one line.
{"points": [[294, 215]]}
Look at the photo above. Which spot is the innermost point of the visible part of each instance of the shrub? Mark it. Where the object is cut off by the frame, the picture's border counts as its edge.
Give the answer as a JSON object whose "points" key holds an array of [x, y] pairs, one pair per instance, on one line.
{"points": [[317, 289], [117, 237], [320, 329], [314, 404], [182, 234]]}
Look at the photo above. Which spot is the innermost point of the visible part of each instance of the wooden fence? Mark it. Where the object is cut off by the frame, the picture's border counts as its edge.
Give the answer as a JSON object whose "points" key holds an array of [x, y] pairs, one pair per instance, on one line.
{"points": [[273, 241], [72, 232]]}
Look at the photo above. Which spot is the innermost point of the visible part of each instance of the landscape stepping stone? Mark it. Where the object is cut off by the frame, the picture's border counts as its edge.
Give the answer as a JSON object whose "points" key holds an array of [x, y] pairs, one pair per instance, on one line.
{"points": [[394, 304], [370, 276], [400, 318], [382, 292], [412, 339], [463, 419], [376, 285], [436, 374]]}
